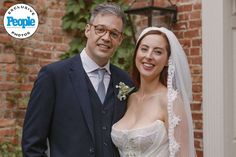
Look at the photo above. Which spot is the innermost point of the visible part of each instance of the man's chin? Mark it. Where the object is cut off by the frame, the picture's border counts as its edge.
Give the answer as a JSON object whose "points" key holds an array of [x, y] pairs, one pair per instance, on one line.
{"points": [[104, 54]]}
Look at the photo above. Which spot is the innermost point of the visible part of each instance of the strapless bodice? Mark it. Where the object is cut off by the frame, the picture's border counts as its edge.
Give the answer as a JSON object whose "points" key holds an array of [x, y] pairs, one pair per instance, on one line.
{"points": [[148, 141]]}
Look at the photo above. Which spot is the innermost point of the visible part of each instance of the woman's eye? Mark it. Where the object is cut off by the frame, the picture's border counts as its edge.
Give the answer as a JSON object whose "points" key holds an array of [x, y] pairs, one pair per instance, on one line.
{"points": [[157, 52], [144, 49]]}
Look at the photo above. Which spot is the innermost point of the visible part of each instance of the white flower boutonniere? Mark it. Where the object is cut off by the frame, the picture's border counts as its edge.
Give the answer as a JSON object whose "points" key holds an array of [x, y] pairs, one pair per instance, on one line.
{"points": [[124, 90]]}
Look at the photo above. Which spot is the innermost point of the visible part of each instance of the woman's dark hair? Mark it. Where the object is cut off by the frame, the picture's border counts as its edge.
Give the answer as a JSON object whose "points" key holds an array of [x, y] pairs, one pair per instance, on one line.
{"points": [[164, 72]]}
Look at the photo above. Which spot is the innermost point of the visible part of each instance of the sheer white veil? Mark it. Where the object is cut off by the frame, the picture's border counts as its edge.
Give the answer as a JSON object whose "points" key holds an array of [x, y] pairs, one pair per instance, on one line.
{"points": [[179, 85]]}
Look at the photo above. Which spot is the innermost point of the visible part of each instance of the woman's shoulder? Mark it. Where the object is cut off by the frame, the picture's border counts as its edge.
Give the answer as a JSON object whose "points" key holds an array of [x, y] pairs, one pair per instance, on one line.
{"points": [[132, 96]]}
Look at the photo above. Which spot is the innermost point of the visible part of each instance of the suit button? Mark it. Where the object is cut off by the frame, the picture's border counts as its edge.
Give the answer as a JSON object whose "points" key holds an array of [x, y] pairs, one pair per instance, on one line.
{"points": [[91, 150], [105, 144], [104, 128], [103, 112]]}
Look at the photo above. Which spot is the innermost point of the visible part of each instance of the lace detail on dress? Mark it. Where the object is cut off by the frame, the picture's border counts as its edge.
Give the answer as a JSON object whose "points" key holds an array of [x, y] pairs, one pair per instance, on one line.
{"points": [[173, 119], [149, 141]]}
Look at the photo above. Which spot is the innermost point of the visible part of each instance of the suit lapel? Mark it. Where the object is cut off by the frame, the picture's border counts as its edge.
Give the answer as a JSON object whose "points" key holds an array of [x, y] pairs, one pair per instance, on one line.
{"points": [[120, 106], [77, 75]]}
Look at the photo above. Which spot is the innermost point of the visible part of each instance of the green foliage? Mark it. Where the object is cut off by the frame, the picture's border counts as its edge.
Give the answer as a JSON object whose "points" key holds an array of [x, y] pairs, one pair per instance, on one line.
{"points": [[8, 149], [77, 16]]}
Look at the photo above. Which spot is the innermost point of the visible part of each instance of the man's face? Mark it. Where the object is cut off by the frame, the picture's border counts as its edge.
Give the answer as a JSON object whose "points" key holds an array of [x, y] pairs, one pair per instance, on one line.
{"points": [[103, 37]]}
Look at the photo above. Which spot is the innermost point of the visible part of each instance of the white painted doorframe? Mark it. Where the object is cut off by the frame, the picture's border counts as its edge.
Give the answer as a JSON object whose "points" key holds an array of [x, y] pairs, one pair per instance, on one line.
{"points": [[219, 78]]}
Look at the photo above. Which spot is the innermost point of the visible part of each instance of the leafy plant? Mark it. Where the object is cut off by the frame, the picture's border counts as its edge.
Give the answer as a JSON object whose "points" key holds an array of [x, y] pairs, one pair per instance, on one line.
{"points": [[75, 20], [8, 149]]}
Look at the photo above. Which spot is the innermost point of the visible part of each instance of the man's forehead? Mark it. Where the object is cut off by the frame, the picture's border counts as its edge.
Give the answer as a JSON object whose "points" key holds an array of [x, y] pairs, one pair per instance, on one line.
{"points": [[109, 20]]}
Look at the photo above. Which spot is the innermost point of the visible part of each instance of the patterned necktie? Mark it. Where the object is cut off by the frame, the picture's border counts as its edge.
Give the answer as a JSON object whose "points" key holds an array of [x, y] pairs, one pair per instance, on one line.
{"points": [[101, 87]]}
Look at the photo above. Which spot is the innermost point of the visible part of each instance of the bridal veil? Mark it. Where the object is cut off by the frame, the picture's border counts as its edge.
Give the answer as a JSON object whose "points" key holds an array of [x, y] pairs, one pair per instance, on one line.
{"points": [[179, 85]]}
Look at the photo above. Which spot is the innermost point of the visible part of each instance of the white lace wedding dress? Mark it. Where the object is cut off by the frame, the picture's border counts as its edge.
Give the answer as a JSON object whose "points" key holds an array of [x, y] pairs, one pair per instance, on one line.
{"points": [[149, 141]]}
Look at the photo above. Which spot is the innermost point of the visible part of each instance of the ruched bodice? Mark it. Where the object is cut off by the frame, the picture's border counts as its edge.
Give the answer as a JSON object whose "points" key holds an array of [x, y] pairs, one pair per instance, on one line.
{"points": [[149, 141]]}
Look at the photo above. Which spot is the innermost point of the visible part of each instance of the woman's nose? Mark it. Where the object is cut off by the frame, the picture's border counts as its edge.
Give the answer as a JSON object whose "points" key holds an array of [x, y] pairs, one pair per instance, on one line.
{"points": [[149, 54]]}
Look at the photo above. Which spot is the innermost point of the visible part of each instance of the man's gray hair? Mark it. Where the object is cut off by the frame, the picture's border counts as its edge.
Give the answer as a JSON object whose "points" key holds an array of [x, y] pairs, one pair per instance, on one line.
{"points": [[108, 8]]}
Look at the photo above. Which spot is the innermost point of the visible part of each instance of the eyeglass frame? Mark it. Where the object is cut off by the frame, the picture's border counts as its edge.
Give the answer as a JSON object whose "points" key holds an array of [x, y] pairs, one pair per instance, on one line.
{"points": [[106, 29]]}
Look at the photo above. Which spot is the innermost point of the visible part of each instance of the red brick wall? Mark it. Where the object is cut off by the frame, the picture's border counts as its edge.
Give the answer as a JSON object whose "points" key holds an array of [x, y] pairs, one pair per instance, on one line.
{"points": [[20, 61], [189, 31]]}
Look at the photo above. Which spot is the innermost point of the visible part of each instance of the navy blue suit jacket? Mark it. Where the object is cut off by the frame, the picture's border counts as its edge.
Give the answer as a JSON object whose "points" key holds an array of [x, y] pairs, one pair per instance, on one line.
{"points": [[59, 110]]}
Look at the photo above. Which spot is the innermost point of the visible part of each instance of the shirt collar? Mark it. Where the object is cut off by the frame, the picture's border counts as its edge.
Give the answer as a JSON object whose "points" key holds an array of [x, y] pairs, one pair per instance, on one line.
{"points": [[89, 65]]}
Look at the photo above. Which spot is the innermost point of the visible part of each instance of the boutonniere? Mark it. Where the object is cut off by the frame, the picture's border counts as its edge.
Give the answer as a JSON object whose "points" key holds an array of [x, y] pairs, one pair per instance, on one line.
{"points": [[124, 90]]}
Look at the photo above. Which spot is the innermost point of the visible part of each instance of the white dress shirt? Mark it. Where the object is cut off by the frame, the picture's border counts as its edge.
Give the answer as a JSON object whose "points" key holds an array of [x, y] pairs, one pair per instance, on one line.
{"points": [[90, 68]]}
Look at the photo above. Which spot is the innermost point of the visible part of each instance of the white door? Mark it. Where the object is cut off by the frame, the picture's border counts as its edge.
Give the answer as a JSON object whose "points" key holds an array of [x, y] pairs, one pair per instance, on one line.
{"points": [[219, 77], [230, 106], [233, 29]]}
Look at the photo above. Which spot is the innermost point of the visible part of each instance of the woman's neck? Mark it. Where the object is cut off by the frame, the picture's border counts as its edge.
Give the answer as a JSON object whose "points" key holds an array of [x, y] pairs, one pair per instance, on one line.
{"points": [[149, 87]]}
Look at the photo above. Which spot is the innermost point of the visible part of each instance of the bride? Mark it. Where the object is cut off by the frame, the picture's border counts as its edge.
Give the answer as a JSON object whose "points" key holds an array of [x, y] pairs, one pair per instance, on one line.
{"points": [[158, 120]]}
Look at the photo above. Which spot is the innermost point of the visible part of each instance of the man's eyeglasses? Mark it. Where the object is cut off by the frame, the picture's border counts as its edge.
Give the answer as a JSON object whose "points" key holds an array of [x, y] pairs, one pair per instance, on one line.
{"points": [[101, 30]]}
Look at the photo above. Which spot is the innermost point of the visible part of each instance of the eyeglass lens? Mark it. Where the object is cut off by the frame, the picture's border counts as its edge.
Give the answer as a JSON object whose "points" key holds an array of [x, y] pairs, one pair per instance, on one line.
{"points": [[102, 30]]}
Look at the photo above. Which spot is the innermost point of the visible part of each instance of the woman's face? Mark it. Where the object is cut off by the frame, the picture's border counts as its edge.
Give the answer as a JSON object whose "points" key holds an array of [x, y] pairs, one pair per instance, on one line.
{"points": [[151, 56]]}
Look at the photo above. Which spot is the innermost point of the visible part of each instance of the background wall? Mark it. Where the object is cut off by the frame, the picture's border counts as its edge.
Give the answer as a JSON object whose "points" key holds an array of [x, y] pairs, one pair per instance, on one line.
{"points": [[20, 61], [189, 32]]}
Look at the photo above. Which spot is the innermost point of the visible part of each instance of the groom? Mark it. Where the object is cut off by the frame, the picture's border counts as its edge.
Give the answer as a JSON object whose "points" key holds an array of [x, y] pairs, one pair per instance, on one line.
{"points": [[74, 102]]}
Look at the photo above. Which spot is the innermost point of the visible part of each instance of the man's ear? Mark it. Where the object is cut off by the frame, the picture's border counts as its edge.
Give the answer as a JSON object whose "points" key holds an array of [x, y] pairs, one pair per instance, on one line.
{"points": [[87, 30], [121, 39]]}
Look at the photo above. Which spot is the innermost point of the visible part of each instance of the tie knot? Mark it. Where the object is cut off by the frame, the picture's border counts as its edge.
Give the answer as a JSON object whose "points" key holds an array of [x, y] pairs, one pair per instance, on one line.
{"points": [[101, 73]]}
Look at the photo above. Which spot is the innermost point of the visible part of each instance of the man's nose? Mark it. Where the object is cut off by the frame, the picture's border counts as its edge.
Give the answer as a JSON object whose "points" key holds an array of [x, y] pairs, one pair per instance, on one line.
{"points": [[106, 36]]}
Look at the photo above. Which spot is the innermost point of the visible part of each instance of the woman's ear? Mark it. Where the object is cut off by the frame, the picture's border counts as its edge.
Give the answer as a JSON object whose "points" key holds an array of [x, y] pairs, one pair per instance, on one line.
{"points": [[166, 65]]}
